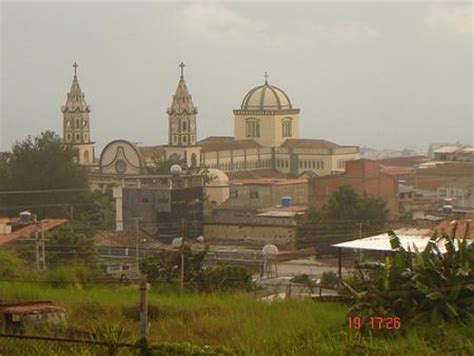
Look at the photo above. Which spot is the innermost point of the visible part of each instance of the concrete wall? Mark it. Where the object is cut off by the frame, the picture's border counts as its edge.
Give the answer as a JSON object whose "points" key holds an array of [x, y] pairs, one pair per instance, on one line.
{"points": [[278, 235]]}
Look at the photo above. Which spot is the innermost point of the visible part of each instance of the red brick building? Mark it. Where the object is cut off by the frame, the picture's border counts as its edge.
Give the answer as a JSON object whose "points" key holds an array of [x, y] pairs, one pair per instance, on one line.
{"points": [[364, 176]]}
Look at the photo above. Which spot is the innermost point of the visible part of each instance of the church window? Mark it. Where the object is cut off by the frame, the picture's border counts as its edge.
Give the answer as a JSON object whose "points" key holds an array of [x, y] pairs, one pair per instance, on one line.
{"points": [[322, 164], [252, 128], [78, 137], [184, 125], [68, 137], [86, 157], [184, 139], [175, 139], [286, 127], [84, 123], [85, 137], [68, 124], [77, 124], [193, 160], [314, 164]]}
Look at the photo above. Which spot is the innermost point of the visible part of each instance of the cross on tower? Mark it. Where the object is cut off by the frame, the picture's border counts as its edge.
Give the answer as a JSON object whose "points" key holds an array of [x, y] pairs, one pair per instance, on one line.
{"points": [[182, 65], [266, 77], [75, 65]]}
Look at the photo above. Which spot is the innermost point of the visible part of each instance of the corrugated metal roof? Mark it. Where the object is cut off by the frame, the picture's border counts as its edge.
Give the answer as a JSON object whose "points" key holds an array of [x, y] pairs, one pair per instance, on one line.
{"points": [[409, 239]]}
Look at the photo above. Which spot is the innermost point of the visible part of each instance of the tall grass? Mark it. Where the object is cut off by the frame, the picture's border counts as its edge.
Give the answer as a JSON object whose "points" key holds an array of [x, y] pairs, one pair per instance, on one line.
{"points": [[238, 321]]}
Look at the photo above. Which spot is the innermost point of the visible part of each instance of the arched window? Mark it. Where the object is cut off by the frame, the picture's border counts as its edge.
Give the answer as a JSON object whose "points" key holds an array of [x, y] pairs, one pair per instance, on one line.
{"points": [[286, 128], [86, 157], [252, 128], [183, 125], [193, 160], [77, 124]]}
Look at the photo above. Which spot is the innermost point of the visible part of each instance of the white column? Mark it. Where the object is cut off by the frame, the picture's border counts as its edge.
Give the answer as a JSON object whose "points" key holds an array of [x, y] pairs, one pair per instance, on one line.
{"points": [[118, 208]]}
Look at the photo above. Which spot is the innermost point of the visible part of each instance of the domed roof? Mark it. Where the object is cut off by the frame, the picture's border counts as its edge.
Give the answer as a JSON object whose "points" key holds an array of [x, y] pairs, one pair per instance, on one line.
{"points": [[266, 97], [217, 177]]}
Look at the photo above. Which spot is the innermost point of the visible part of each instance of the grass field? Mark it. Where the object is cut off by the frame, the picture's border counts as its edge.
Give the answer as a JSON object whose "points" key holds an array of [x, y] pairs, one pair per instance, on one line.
{"points": [[239, 321]]}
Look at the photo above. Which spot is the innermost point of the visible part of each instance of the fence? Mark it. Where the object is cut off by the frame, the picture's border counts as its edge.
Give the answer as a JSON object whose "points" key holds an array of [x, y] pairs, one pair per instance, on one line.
{"points": [[22, 345]]}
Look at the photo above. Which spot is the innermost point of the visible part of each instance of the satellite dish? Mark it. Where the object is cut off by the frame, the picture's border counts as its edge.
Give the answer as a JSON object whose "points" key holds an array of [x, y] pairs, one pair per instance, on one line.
{"points": [[270, 250], [176, 170]]}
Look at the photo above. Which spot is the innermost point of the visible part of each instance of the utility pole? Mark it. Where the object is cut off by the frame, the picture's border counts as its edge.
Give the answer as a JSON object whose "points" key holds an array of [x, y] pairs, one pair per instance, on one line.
{"points": [[182, 256], [144, 286], [137, 232], [37, 245], [40, 250], [43, 249], [182, 272]]}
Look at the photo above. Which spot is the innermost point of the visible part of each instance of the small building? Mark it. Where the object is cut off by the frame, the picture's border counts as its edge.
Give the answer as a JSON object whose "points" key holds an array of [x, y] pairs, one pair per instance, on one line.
{"points": [[164, 206], [254, 227], [24, 317], [267, 192], [365, 177]]}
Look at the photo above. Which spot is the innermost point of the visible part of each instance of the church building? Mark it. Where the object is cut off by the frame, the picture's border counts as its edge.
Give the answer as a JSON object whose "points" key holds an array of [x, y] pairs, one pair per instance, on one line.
{"points": [[266, 137]]}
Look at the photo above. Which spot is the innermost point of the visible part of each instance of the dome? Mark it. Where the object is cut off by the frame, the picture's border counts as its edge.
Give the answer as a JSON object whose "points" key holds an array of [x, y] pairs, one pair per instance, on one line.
{"points": [[266, 98], [217, 178]]}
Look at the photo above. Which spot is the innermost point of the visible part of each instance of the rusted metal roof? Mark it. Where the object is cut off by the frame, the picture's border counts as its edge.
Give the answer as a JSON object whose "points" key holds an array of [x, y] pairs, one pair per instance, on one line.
{"points": [[33, 309]]}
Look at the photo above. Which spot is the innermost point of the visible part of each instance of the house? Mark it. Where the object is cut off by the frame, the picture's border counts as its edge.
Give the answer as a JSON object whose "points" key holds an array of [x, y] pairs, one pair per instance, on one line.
{"points": [[365, 177]]}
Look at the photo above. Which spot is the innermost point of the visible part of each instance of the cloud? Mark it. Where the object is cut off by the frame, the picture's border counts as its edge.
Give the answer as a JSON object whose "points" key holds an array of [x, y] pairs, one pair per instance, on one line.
{"points": [[214, 21], [346, 33], [455, 18], [217, 22]]}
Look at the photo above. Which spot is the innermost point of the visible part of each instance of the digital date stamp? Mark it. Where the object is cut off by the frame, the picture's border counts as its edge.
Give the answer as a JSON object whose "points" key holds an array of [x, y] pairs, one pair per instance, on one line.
{"points": [[374, 323]]}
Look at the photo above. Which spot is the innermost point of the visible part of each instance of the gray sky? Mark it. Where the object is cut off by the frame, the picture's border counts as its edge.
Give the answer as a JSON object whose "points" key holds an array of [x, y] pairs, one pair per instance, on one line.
{"points": [[390, 75]]}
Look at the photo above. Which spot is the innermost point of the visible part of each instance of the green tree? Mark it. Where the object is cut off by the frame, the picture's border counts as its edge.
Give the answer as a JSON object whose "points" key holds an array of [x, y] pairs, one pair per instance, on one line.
{"points": [[70, 242], [341, 218], [36, 164]]}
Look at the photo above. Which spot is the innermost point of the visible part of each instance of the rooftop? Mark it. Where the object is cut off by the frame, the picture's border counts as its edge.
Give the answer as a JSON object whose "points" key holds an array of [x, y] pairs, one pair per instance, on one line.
{"points": [[308, 143], [28, 230], [268, 181], [33, 309], [212, 144], [409, 239]]}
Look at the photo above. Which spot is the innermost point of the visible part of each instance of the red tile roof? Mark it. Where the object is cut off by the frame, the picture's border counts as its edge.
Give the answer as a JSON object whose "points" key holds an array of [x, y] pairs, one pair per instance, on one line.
{"points": [[397, 171], [215, 144], [255, 174], [464, 229], [269, 181], [404, 161], [29, 230], [308, 143]]}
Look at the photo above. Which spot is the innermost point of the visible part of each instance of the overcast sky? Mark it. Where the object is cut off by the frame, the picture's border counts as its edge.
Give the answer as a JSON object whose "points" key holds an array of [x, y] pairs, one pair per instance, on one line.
{"points": [[391, 74]]}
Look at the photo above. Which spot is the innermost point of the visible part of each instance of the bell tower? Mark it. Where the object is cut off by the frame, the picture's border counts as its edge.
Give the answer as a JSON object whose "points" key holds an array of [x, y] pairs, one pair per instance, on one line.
{"points": [[182, 132], [76, 124], [182, 115]]}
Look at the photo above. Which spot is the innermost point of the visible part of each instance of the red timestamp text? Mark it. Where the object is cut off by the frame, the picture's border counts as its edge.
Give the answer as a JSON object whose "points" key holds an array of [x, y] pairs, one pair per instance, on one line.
{"points": [[375, 322]]}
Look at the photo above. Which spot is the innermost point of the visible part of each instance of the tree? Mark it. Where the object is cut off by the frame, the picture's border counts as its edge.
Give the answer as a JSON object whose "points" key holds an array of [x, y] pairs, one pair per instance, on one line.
{"points": [[36, 164], [341, 218]]}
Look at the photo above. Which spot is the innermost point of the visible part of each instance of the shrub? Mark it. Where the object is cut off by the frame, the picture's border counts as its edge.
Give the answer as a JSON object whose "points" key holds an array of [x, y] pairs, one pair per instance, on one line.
{"points": [[187, 349], [225, 278], [329, 279], [74, 274], [11, 266]]}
